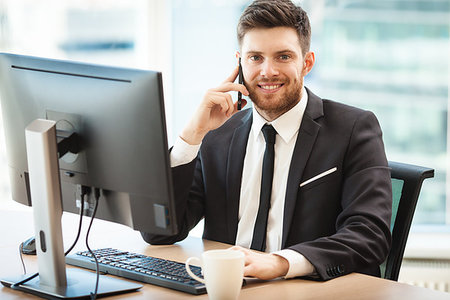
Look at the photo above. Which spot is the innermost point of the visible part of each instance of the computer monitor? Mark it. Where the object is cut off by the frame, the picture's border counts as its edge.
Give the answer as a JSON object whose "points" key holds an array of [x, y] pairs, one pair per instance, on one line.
{"points": [[118, 115]]}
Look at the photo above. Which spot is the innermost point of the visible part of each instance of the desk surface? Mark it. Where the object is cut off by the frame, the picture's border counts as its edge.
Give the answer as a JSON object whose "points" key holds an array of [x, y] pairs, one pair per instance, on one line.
{"points": [[16, 226]]}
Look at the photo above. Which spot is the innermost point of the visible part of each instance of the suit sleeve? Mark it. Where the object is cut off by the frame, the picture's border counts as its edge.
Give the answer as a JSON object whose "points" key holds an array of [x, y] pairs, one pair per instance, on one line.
{"points": [[188, 202], [362, 239]]}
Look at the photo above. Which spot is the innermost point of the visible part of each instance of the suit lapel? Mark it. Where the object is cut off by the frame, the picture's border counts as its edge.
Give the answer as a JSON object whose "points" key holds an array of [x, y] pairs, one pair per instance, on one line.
{"points": [[307, 135], [235, 164]]}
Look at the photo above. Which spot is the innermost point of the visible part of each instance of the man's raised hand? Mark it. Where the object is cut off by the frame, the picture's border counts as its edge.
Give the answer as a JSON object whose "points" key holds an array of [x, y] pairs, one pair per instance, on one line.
{"points": [[216, 107]]}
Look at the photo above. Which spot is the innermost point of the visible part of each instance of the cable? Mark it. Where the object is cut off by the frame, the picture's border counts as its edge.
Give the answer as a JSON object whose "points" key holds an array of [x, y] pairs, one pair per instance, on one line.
{"points": [[96, 196], [83, 192], [80, 223], [16, 286], [21, 258]]}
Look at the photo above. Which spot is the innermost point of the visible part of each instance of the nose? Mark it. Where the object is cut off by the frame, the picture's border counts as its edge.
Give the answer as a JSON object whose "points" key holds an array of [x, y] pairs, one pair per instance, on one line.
{"points": [[269, 69]]}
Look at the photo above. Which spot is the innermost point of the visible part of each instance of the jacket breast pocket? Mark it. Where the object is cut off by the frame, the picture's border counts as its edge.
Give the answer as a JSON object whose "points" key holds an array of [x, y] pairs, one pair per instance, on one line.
{"points": [[327, 177]]}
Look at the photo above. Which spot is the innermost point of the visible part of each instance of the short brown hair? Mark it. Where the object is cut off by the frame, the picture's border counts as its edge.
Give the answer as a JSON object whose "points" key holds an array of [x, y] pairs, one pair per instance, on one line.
{"points": [[275, 13]]}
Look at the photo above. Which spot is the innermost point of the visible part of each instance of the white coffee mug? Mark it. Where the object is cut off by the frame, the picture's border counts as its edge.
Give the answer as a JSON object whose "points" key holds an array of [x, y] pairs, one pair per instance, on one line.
{"points": [[223, 271]]}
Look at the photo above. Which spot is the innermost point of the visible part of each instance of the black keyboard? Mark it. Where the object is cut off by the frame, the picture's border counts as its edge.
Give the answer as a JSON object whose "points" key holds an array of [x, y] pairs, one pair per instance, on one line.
{"points": [[157, 271]]}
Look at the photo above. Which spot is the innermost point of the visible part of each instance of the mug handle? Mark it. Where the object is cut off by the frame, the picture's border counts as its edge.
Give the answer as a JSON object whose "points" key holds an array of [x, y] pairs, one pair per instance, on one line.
{"points": [[188, 269]]}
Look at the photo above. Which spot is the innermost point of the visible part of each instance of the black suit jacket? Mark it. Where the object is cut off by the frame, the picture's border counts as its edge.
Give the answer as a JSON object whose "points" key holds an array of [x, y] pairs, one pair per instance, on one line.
{"points": [[339, 222]]}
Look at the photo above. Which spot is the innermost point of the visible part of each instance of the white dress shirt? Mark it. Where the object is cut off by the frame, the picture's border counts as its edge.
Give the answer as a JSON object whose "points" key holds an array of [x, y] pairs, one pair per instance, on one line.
{"points": [[287, 126]]}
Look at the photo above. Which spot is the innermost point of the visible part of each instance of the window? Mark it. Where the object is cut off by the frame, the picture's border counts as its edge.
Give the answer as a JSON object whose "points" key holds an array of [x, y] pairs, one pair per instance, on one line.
{"points": [[391, 57], [112, 32]]}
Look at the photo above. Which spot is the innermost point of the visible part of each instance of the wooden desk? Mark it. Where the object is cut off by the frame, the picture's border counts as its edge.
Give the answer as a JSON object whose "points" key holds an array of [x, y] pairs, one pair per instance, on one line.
{"points": [[16, 226]]}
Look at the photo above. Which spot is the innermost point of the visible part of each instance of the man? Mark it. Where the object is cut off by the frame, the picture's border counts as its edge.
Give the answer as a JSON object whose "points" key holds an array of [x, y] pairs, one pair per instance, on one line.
{"points": [[330, 196]]}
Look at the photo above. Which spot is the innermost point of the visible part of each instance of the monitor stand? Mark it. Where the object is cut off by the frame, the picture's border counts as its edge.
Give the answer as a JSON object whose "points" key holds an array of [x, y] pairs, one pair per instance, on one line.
{"points": [[53, 281]]}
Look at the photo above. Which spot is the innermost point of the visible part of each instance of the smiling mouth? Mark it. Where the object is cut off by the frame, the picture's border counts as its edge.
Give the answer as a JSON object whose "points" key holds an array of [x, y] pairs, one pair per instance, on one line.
{"points": [[270, 87]]}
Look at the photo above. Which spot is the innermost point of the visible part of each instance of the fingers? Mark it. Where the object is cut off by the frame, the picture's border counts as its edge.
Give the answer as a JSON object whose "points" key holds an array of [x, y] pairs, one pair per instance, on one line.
{"points": [[228, 85], [263, 265], [219, 95], [242, 249], [235, 248], [247, 253], [248, 266], [231, 86], [249, 270], [224, 100]]}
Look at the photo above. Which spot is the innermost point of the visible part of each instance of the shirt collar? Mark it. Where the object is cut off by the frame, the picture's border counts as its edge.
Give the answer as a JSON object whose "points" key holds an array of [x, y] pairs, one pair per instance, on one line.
{"points": [[287, 124]]}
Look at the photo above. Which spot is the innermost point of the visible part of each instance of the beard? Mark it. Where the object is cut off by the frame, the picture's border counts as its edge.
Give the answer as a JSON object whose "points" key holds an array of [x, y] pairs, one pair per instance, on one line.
{"points": [[276, 104]]}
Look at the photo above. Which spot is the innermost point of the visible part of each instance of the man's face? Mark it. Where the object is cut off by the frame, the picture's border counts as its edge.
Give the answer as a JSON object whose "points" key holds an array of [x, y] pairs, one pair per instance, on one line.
{"points": [[273, 68]]}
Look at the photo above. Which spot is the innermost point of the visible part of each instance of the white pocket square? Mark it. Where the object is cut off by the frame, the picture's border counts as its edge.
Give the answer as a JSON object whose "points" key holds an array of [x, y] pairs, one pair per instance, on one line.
{"points": [[318, 176]]}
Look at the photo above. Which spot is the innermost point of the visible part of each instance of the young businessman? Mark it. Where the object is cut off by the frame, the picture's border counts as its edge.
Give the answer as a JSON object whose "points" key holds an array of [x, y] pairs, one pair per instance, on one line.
{"points": [[329, 190]]}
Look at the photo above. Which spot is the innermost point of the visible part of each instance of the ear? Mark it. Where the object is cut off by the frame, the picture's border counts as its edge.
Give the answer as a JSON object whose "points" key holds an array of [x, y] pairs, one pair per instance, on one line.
{"points": [[308, 63]]}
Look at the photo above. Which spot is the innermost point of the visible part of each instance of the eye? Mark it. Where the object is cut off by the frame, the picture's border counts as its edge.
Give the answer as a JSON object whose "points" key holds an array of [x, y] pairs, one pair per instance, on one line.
{"points": [[255, 58], [285, 57]]}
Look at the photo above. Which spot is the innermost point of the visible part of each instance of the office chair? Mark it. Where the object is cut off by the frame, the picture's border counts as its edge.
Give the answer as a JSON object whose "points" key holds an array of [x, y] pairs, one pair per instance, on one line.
{"points": [[406, 184]]}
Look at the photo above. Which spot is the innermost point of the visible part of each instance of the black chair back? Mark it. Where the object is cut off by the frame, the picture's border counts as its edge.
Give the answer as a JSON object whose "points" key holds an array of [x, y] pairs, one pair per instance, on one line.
{"points": [[406, 184]]}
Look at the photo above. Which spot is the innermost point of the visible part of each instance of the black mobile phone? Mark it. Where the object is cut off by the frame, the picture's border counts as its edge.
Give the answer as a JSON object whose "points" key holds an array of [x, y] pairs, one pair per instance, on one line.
{"points": [[241, 81]]}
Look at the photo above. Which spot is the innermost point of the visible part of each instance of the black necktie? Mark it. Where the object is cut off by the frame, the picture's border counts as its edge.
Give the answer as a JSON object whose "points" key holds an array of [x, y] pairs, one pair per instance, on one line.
{"points": [[259, 232]]}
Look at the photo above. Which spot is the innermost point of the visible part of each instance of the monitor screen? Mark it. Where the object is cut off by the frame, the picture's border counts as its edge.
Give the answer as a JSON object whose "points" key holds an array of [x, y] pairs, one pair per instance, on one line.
{"points": [[118, 113]]}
